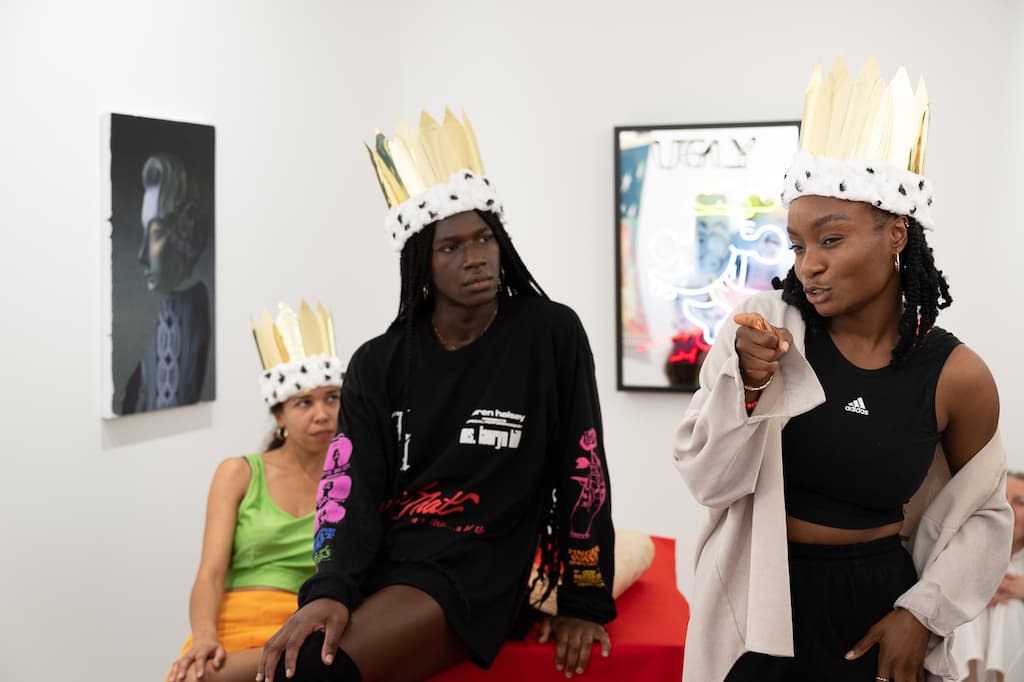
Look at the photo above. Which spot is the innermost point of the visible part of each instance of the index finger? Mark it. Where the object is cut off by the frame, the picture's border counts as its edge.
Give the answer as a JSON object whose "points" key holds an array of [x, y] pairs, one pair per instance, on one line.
{"points": [[291, 649], [753, 321], [334, 627], [268, 658]]}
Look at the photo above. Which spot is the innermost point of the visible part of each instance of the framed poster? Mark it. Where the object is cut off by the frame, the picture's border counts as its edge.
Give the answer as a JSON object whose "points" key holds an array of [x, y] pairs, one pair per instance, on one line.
{"points": [[699, 227], [158, 265]]}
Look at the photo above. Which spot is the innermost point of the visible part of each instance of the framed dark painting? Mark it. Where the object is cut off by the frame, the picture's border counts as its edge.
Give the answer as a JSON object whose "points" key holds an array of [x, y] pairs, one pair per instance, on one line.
{"points": [[159, 275]]}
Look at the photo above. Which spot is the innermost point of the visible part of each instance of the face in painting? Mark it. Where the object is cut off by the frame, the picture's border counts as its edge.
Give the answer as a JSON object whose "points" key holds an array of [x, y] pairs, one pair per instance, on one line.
{"points": [[163, 266]]}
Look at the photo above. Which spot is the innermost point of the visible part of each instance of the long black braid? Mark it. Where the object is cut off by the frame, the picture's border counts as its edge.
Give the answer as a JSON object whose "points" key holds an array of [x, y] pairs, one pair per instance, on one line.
{"points": [[925, 292], [416, 298]]}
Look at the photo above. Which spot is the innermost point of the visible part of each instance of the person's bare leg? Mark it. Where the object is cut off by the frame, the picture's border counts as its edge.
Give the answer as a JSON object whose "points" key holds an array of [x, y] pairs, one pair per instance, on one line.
{"points": [[239, 666], [400, 634]]}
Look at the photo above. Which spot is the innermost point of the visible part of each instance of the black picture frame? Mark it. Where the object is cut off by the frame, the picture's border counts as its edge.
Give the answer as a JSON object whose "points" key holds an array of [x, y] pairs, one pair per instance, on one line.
{"points": [[697, 208]]}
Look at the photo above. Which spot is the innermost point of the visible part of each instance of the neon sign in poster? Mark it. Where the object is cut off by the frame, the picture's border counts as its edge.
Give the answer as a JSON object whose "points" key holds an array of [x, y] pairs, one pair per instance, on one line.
{"points": [[699, 227]]}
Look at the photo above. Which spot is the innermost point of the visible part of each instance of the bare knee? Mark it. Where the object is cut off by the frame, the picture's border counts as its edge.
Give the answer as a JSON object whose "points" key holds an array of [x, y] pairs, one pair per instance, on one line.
{"points": [[396, 619]]}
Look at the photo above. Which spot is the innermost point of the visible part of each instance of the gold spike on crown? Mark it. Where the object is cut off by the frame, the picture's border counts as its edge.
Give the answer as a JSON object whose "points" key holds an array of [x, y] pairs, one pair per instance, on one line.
{"points": [[430, 174], [297, 352], [864, 140]]}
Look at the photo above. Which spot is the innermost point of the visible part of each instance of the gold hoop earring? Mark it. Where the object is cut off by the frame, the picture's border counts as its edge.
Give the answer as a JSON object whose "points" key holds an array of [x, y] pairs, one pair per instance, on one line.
{"points": [[281, 434], [897, 261]]}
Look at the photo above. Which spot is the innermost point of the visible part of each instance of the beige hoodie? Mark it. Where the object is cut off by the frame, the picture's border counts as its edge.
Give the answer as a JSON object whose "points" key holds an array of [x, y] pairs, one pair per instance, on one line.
{"points": [[960, 528]]}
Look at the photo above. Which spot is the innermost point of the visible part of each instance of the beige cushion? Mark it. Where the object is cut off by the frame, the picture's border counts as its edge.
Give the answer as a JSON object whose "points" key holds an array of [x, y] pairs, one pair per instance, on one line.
{"points": [[634, 552]]}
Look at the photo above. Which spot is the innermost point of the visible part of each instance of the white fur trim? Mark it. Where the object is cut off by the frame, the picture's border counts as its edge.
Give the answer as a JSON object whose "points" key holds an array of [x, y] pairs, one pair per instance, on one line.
{"points": [[464, 191], [878, 183], [291, 378]]}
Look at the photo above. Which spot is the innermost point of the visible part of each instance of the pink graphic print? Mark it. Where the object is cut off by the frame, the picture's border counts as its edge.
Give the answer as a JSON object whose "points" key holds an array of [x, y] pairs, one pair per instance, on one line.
{"points": [[593, 489], [335, 484]]}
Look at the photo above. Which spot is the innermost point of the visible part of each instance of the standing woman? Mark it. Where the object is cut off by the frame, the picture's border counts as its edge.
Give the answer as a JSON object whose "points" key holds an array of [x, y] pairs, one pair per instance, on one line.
{"points": [[258, 541], [469, 436], [832, 414]]}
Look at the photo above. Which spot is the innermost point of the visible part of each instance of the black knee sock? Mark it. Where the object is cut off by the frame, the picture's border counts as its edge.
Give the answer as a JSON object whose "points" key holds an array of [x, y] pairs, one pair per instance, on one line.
{"points": [[309, 667]]}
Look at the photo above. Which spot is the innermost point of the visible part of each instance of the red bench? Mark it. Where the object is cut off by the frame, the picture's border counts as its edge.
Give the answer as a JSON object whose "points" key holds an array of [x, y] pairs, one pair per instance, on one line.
{"points": [[647, 637]]}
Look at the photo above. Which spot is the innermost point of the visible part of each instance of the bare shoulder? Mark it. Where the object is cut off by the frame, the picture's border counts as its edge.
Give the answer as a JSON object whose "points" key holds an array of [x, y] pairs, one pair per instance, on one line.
{"points": [[966, 380], [231, 479], [967, 405]]}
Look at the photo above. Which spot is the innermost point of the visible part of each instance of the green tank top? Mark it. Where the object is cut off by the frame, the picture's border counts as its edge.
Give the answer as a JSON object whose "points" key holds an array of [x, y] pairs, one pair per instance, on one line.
{"points": [[271, 547]]}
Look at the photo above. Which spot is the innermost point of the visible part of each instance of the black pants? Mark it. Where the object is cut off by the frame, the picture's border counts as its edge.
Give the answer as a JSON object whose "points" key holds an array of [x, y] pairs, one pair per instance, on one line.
{"points": [[837, 592]]}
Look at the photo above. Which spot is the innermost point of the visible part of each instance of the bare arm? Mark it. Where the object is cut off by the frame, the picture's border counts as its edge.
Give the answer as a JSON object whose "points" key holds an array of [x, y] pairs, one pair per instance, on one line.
{"points": [[966, 406], [230, 482]]}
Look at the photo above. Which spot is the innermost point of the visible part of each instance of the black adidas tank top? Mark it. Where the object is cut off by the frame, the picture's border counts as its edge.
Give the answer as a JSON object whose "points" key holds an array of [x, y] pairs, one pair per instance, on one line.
{"points": [[853, 461]]}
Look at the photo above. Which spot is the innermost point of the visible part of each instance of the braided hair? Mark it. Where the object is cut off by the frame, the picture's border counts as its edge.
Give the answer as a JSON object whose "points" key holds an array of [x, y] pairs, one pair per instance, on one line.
{"points": [[925, 291], [416, 298]]}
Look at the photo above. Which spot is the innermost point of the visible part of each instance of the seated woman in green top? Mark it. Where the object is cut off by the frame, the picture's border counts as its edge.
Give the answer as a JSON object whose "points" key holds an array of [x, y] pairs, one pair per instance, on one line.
{"points": [[258, 541]]}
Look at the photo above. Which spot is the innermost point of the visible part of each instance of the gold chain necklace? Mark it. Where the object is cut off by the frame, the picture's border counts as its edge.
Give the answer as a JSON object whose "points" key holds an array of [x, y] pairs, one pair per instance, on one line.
{"points": [[447, 345]]}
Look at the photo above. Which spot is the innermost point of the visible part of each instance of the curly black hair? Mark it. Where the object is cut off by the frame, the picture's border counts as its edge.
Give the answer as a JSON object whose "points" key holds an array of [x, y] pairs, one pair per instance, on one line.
{"points": [[925, 291]]}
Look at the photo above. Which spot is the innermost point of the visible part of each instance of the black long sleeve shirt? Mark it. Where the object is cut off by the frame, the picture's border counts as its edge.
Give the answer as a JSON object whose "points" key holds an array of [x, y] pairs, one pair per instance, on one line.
{"points": [[489, 431]]}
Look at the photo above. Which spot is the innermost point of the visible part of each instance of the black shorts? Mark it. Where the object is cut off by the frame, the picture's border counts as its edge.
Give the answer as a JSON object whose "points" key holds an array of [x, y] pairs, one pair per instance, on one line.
{"points": [[837, 593]]}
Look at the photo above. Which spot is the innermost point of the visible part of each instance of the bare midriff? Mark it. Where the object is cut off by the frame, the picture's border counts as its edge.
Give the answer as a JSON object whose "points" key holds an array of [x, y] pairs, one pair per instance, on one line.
{"points": [[809, 533]]}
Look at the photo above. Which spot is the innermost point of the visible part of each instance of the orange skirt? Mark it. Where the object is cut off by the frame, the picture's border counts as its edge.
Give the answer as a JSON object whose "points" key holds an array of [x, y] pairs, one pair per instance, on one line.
{"points": [[248, 618]]}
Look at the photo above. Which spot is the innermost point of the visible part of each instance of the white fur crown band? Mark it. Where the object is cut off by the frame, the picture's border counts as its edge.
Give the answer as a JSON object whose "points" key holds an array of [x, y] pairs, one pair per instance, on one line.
{"points": [[464, 191], [878, 183], [281, 382]]}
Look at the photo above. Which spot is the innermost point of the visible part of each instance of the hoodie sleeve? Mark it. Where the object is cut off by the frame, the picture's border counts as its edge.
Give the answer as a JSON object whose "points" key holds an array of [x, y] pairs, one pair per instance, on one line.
{"points": [[718, 447], [587, 535], [355, 480]]}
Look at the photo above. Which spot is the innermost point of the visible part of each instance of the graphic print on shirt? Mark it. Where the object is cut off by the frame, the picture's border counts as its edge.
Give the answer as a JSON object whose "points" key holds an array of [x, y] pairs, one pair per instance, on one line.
{"points": [[593, 488], [335, 486], [857, 406], [398, 416], [493, 428], [585, 568], [430, 504]]}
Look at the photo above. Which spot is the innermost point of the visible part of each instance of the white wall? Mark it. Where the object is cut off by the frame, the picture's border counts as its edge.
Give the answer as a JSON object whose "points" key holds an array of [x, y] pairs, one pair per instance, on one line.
{"points": [[102, 521]]}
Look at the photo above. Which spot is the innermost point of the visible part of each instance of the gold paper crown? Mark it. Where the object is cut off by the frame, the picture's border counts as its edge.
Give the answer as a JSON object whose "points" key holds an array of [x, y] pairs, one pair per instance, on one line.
{"points": [[294, 337], [865, 118], [413, 161]]}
